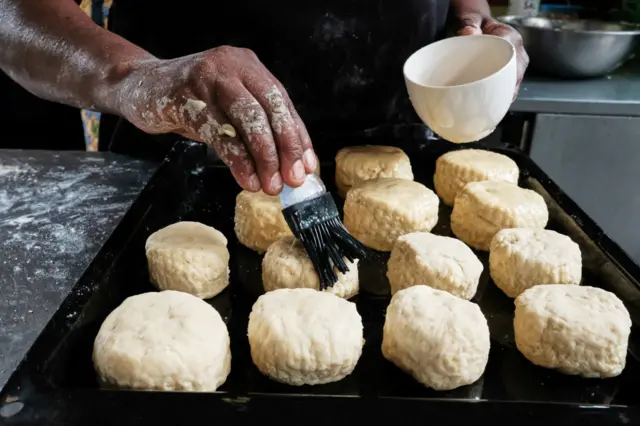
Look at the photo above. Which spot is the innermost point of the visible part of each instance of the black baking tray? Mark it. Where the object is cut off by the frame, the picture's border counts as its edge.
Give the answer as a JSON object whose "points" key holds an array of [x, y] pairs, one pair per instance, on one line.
{"points": [[55, 384]]}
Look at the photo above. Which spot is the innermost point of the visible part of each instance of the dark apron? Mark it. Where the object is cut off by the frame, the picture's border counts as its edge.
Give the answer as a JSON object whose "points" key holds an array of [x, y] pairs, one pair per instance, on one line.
{"points": [[340, 60]]}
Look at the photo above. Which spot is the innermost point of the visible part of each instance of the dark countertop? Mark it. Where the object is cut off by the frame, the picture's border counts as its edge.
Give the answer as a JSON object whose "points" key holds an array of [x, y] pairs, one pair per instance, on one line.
{"points": [[56, 211]]}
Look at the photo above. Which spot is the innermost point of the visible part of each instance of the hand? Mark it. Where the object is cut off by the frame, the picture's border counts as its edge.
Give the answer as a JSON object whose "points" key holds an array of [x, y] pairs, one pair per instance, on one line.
{"points": [[226, 98], [476, 23]]}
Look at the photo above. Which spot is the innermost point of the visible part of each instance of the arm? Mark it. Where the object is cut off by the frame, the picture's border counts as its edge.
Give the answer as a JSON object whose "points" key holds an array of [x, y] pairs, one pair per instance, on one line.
{"points": [[55, 51], [51, 48]]}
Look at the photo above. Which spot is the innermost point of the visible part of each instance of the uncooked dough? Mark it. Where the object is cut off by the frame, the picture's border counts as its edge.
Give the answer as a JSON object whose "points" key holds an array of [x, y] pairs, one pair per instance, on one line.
{"points": [[189, 257], [521, 258], [457, 168], [441, 340], [439, 262], [287, 265], [378, 211], [481, 209], [357, 164], [576, 330], [303, 336], [166, 341], [259, 221]]}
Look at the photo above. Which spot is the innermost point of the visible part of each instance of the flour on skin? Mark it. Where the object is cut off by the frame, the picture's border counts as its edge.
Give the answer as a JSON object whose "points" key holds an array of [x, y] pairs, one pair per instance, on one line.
{"points": [[280, 115], [251, 116], [193, 108]]}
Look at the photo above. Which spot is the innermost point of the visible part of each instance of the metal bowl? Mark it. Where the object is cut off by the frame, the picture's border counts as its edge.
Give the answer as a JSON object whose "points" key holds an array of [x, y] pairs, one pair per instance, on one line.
{"points": [[575, 48]]}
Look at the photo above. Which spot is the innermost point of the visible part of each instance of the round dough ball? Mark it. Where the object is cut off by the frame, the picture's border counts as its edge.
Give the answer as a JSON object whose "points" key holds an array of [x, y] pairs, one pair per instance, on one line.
{"points": [[378, 211], [305, 337], [357, 164], [441, 340], [287, 265], [167, 341], [189, 257], [259, 221], [481, 209], [574, 329], [521, 258], [440, 262], [457, 168]]}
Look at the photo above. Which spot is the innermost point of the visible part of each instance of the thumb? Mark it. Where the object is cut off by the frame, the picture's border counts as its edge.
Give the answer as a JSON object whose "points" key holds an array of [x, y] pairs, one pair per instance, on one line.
{"points": [[470, 24], [469, 31]]}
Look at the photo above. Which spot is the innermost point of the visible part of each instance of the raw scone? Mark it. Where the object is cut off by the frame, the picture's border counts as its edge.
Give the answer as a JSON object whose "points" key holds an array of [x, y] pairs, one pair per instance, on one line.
{"points": [[189, 257], [357, 164], [303, 336], [483, 208], [576, 330], [166, 341], [287, 265], [378, 211], [259, 221], [521, 258], [440, 262], [441, 340], [457, 168]]}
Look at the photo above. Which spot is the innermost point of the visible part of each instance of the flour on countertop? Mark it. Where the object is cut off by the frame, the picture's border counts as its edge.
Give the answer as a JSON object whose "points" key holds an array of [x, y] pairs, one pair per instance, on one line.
{"points": [[56, 211]]}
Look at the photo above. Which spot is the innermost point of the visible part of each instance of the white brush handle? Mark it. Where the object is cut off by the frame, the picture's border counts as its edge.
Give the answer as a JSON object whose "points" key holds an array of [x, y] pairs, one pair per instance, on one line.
{"points": [[310, 189]]}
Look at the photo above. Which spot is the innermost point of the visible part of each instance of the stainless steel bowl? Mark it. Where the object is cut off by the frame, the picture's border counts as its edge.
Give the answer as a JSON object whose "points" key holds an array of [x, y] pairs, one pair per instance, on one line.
{"points": [[575, 48]]}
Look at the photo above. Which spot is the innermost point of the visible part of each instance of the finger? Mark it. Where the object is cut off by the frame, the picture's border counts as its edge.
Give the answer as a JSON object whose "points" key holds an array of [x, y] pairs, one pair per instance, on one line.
{"points": [[470, 24], [309, 157], [235, 155], [251, 121], [509, 33], [212, 128], [469, 31], [286, 133]]}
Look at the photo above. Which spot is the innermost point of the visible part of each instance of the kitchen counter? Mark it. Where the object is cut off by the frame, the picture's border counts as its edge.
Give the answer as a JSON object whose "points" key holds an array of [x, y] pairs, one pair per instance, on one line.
{"points": [[614, 95], [56, 210]]}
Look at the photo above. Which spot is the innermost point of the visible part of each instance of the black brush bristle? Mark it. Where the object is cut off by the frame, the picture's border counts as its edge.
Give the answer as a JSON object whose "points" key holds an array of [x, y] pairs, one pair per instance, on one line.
{"points": [[316, 223]]}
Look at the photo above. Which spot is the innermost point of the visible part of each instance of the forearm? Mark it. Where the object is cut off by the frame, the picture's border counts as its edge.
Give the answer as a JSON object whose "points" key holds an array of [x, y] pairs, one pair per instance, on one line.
{"points": [[460, 7], [55, 51]]}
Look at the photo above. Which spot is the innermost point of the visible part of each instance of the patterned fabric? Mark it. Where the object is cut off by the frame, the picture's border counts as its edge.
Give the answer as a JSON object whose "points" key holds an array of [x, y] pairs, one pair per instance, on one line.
{"points": [[99, 11]]}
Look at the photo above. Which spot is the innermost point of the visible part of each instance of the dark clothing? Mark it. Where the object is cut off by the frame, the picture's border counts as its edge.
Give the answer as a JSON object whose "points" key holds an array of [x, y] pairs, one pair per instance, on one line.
{"points": [[340, 60]]}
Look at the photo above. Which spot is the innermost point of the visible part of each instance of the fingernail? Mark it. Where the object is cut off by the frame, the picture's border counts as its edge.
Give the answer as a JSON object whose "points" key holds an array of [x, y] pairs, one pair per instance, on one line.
{"points": [[254, 183], [298, 170], [276, 181], [309, 158]]}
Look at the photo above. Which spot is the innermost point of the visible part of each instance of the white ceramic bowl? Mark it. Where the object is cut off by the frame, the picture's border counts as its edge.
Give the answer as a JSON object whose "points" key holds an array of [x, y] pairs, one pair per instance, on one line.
{"points": [[462, 87]]}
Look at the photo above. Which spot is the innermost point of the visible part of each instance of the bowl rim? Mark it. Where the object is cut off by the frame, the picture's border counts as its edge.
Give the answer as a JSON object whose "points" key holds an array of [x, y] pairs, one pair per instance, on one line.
{"points": [[509, 20], [502, 68]]}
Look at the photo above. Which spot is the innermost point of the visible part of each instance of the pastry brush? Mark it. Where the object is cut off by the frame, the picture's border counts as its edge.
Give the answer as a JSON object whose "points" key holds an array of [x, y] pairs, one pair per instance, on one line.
{"points": [[313, 218]]}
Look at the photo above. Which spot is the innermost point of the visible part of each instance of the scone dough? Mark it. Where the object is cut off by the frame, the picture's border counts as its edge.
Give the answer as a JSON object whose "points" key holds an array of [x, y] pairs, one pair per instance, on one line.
{"points": [[303, 336], [259, 221], [378, 211], [439, 262], [481, 209], [357, 164], [189, 257], [457, 168], [521, 258], [441, 340], [576, 330], [166, 341], [287, 265]]}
